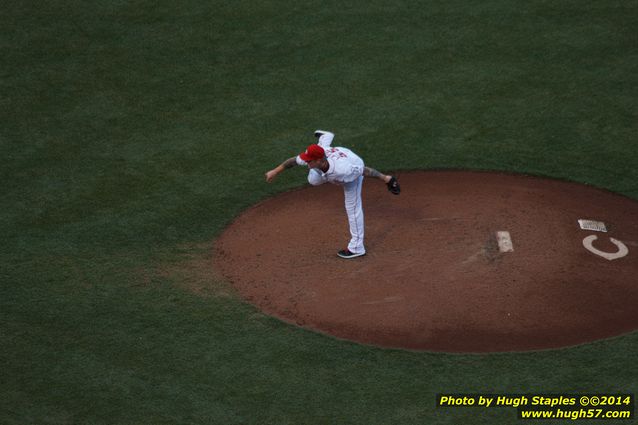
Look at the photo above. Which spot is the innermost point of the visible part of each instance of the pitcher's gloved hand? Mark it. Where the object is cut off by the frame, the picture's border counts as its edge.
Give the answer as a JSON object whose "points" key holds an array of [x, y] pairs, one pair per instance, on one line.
{"points": [[393, 186]]}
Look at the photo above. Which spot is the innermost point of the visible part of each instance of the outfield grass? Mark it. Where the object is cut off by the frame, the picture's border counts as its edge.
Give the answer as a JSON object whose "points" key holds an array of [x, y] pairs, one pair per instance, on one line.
{"points": [[133, 132]]}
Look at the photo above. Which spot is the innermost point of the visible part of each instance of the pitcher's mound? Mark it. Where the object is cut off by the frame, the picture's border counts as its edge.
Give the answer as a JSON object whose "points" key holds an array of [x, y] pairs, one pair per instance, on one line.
{"points": [[438, 274]]}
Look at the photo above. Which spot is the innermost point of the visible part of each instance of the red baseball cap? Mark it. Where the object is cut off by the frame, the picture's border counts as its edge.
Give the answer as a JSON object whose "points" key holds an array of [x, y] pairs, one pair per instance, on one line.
{"points": [[313, 152]]}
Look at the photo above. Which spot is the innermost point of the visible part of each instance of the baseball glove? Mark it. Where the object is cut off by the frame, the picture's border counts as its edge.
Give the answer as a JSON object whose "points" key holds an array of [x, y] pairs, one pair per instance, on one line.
{"points": [[393, 186]]}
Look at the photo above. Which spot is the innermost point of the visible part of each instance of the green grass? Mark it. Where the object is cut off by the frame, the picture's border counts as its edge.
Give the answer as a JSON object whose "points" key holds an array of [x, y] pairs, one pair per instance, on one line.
{"points": [[133, 132]]}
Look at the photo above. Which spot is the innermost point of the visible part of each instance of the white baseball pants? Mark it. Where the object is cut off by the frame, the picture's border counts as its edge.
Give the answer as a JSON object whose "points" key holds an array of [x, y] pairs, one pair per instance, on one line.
{"points": [[354, 208]]}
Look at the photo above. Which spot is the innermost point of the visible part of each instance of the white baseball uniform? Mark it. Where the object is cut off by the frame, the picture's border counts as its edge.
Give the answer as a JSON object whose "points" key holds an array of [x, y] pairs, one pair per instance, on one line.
{"points": [[345, 169]]}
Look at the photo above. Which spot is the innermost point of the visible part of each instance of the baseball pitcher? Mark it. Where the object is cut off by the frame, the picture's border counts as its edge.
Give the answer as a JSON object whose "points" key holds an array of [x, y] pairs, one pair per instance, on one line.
{"points": [[342, 167]]}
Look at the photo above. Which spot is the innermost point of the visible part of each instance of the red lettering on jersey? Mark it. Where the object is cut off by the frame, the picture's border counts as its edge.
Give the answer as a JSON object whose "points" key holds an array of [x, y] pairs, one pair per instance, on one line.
{"points": [[337, 151]]}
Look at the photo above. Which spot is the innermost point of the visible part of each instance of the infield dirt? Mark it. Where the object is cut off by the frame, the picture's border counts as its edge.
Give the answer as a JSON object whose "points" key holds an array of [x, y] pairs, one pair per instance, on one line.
{"points": [[434, 277]]}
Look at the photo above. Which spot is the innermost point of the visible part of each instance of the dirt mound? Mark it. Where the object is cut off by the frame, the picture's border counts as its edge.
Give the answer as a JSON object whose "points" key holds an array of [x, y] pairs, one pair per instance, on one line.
{"points": [[438, 276]]}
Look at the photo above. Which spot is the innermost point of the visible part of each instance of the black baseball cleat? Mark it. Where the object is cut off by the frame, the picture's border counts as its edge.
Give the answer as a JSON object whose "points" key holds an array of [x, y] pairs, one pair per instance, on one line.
{"points": [[347, 254], [393, 186]]}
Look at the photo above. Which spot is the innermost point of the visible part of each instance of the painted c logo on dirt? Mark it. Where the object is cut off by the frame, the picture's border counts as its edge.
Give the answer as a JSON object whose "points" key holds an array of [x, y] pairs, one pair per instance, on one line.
{"points": [[622, 248]]}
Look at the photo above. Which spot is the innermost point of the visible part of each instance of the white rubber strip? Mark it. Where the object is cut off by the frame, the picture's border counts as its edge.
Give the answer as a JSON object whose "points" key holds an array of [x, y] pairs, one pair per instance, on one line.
{"points": [[504, 241]]}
